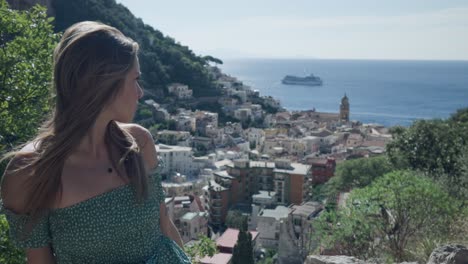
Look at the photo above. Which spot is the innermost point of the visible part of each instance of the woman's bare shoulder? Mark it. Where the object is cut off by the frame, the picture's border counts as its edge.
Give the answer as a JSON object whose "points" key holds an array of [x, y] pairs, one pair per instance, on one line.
{"points": [[14, 178], [145, 142], [141, 134]]}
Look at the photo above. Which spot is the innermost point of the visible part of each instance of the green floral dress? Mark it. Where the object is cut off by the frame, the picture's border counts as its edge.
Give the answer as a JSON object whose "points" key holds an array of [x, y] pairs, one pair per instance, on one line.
{"points": [[109, 228]]}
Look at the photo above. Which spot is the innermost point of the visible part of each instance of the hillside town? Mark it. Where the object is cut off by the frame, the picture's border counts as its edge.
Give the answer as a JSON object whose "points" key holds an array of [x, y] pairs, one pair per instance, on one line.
{"points": [[262, 167]]}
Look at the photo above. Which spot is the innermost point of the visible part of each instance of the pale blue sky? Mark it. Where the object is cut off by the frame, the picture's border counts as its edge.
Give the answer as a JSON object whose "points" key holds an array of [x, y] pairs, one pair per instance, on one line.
{"points": [[346, 29]]}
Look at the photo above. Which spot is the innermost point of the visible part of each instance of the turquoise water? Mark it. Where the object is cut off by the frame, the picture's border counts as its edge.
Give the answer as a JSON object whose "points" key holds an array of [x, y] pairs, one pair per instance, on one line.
{"points": [[384, 92]]}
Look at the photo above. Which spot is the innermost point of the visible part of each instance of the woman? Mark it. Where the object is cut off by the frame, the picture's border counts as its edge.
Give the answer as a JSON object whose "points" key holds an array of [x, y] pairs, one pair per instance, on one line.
{"points": [[80, 191]]}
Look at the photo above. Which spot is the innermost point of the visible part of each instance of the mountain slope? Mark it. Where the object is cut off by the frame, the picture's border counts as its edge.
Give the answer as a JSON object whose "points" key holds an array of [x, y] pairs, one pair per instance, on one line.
{"points": [[162, 60]]}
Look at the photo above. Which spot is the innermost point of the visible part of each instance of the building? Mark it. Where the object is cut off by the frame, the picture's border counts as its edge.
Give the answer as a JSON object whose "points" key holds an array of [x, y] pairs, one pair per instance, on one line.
{"points": [[291, 181], [183, 188], [233, 128], [185, 123], [203, 143], [255, 136], [322, 169], [180, 205], [268, 225], [243, 114], [312, 144], [219, 258], [217, 200], [344, 109], [244, 180], [295, 241], [176, 159], [171, 137], [181, 91], [204, 119], [228, 240], [271, 102], [192, 225], [264, 198]]}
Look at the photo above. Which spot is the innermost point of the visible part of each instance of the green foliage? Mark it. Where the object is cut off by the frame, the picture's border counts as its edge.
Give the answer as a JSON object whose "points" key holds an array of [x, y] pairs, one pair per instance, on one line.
{"points": [[203, 247], [235, 219], [269, 257], [162, 59], [355, 173], [432, 146], [437, 148], [461, 116], [27, 41], [212, 59], [243, 250], [143, 112], [396, 209], [8, 252]]}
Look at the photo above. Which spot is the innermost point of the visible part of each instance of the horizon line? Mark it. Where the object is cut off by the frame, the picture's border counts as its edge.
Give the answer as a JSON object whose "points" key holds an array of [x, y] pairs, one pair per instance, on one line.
{"points": [[350, 59]]}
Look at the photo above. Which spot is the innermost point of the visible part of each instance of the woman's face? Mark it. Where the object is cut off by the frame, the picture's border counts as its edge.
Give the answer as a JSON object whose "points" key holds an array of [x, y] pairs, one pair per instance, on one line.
{"points": [[124, 106]]}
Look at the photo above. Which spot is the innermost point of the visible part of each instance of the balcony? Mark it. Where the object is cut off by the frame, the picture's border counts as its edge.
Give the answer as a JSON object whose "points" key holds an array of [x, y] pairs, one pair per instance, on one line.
{"points": [[216, 205], [216, 197], [216, 213]]}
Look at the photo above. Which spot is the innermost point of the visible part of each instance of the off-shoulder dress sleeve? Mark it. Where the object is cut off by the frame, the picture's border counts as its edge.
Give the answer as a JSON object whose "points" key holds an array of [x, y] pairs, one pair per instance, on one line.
{"points": [[157, 181], [37, 237]]}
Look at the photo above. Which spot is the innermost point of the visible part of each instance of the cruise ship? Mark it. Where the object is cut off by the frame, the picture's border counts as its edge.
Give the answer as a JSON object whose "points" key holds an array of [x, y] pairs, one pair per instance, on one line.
{"points": [[310, 80]]}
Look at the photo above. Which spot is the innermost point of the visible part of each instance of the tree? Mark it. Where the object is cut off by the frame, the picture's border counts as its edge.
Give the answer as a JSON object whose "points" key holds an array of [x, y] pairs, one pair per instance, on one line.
{"points": [[27, 41], [355, 173], [162, 59], [461, 116], [203, 247], [212, 59], [8, 252], [400, 207], [26, 46], [435, 147], [432, 146], [243, 250], [235, 219]]}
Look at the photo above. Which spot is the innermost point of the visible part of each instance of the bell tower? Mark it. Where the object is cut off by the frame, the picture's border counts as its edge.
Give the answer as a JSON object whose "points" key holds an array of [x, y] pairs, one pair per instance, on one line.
{"points": [[344, 109]]}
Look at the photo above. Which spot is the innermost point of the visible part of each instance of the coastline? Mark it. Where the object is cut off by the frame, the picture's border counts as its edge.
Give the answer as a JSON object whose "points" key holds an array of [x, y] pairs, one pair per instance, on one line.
{"points": [[388, 92]]}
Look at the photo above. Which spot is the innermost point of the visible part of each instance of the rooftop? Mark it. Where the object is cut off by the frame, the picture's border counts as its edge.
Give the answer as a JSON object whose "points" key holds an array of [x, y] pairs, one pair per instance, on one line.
{"points": [[189, 216], [263, 195], [307, 209], [181, 198], [168, 148], [278, 213], [229, 238], [262, 164], [173, 132], [219, 258], [223, 163], [296, 168], [216, 186], [223, 174]]}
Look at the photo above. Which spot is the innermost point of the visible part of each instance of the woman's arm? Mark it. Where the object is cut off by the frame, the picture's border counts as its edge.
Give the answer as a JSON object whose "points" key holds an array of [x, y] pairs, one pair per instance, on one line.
{"points": [[40, 255], [12, 194], [167, 226], [150, 157]]}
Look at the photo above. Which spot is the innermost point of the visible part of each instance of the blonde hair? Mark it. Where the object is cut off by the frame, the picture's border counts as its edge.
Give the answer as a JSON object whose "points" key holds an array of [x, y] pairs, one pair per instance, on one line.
{"points": [[90, 64]]}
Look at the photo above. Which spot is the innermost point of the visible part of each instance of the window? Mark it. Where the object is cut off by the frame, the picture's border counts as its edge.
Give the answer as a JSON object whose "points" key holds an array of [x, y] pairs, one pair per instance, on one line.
{"points": [[297, 221]]}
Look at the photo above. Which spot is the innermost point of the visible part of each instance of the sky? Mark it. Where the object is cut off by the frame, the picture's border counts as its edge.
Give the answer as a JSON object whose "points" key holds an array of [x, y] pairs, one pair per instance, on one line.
{"points": [[331, 29]]}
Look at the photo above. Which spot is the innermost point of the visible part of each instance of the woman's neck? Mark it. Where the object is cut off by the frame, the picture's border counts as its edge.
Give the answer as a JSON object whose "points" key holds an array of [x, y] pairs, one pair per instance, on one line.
{"points": [[93, 144]]}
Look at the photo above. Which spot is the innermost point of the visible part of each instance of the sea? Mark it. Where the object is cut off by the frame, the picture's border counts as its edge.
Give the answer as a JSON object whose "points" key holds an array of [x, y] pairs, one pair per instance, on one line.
{"points": [[386, 92]]}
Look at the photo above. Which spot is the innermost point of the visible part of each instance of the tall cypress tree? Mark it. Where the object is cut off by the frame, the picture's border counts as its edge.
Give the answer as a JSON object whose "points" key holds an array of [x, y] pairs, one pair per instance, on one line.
{"points": [[243, 250]]}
